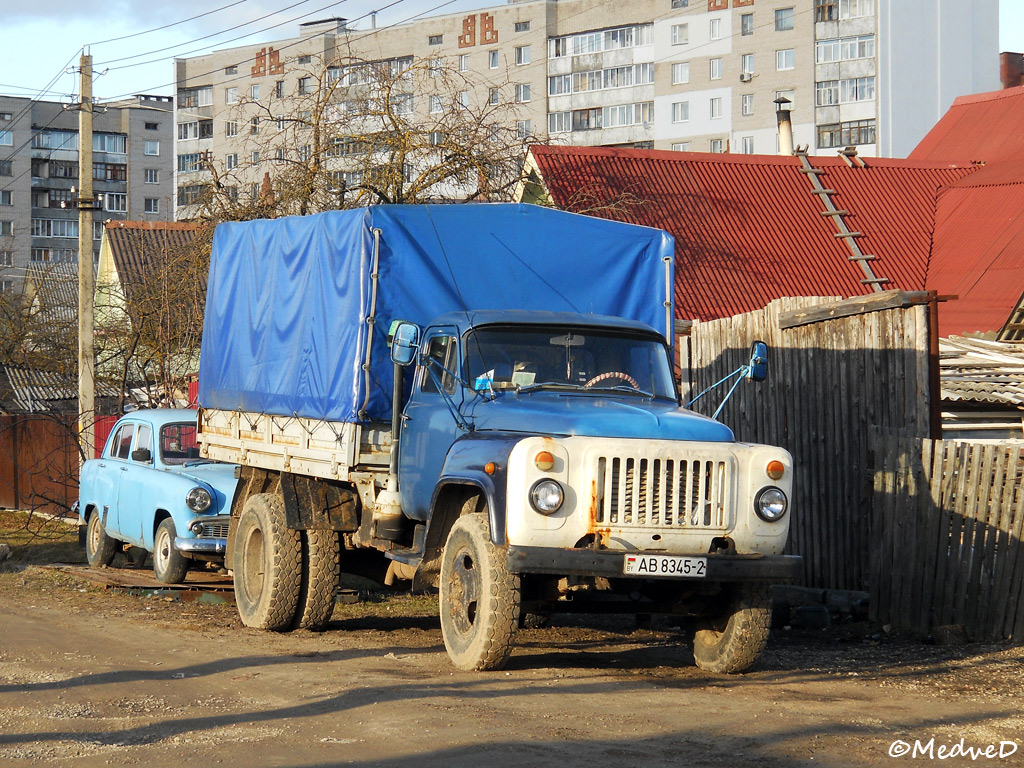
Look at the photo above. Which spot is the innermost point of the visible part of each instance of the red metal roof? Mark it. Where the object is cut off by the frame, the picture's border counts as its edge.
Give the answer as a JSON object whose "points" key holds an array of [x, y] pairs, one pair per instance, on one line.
{"points": [[979, 249], [748, 228], [983, 127]]}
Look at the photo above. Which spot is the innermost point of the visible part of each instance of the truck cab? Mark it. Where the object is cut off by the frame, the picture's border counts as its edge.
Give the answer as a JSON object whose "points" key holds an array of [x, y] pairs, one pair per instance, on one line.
{"points": [[592, 488]]}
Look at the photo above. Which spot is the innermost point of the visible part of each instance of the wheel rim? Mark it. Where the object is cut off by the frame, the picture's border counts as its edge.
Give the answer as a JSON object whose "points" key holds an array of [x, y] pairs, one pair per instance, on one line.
{"points": [[464, 593], [94, 536], [162, 552], [253, 565]]}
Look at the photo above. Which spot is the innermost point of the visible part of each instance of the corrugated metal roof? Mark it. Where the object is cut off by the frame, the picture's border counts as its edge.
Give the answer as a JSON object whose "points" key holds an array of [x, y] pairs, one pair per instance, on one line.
{"points": [[979, 249], [53, 288], [748, 228], [139, 247], [982, 127], [982, 371]]}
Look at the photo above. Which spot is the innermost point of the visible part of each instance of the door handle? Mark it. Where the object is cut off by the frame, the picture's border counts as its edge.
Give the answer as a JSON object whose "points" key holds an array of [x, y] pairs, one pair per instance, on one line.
{"points": [[123, 469]]}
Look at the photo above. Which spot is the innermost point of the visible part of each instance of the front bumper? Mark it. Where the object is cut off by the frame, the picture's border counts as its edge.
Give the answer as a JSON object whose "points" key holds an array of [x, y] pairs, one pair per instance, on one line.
{"points": [[206, 546], [609, 563]]}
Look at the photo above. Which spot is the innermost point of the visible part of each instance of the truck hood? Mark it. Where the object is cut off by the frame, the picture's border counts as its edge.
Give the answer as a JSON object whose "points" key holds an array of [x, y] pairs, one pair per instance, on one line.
{"points": [[575, 414]]}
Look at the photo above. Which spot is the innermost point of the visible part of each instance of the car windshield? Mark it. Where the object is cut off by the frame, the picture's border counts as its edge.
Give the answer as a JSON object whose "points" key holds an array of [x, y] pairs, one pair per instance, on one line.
{"points": [[178, 443], [522, 357]]}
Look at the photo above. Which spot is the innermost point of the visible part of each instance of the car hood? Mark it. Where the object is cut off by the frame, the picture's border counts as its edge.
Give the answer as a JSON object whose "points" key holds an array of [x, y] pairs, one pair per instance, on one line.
{"points": [[576, 414], [220, 477]]}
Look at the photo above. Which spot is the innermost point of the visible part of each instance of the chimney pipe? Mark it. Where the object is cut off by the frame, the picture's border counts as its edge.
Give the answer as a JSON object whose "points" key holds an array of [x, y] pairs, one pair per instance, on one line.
{"points": [[785, 125]]}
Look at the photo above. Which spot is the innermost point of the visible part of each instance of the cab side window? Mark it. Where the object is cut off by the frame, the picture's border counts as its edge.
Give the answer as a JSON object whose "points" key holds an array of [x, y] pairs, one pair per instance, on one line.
{"points": [[444, 351]]}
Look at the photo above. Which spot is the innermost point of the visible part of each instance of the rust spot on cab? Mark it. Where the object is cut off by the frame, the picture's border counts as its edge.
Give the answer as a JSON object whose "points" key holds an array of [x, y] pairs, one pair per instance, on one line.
{"points": [[601, 535]]}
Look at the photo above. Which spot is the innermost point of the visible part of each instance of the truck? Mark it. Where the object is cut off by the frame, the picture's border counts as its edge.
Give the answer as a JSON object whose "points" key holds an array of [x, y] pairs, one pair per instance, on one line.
{"points": [[483, 397]]}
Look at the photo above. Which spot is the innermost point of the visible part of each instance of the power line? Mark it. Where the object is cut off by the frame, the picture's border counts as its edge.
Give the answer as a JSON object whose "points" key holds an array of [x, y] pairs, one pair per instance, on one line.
{"points": [[168, 26]]}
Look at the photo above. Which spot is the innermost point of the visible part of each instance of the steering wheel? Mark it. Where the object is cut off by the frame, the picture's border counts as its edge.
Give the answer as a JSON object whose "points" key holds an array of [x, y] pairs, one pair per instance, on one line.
{"points": [[613, 375]]}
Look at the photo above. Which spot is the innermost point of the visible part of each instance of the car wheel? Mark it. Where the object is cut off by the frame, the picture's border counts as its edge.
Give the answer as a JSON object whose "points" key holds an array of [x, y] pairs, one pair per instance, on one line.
{"points": [[321, 575], [732, 641], [169, 565], [479, 597], [267, 562], [99, 548]]}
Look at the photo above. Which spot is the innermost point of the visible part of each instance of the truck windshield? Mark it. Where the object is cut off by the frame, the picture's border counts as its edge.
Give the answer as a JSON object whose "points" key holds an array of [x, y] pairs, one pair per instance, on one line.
{"points": [[520, 357]]}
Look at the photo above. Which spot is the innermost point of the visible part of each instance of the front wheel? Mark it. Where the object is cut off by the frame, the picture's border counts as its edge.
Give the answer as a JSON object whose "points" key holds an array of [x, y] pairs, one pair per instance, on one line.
{"points": [[267, 561], [479, 597], [169, 565], [99, 547], [733, 641]]}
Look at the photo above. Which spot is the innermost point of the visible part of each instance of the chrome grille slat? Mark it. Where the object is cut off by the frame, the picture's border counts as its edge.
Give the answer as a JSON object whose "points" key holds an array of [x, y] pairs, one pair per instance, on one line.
{"points": [[639, 491]]}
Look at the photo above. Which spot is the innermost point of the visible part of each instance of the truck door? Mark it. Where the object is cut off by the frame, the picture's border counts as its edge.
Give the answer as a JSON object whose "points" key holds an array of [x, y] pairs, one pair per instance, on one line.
{"points": [[429, 428]]}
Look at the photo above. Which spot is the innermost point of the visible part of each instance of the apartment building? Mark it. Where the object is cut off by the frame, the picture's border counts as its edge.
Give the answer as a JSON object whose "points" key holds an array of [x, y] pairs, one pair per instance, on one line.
{"points": [[39, 161], [696, 75]]}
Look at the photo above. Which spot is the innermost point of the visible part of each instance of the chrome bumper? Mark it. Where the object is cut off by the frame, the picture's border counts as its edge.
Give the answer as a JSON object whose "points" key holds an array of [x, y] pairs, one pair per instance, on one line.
{"points": [[204, 546]]}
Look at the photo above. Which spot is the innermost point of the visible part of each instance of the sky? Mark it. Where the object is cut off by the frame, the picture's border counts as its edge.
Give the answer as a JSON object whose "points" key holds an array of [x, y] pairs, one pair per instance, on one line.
{"points": [[42, 42]]}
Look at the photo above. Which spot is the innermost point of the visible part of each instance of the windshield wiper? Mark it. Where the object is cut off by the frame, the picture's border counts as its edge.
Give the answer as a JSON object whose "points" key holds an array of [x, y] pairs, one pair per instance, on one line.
{"points": [[549, 384], [624, 388]]}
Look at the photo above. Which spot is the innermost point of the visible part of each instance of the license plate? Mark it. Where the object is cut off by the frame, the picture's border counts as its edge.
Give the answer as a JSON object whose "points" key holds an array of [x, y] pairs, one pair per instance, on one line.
{"points": [[665, 565]]}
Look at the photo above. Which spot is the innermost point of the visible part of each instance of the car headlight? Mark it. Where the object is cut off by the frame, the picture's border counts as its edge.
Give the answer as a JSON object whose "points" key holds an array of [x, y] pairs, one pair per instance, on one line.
{"points": [[198, 500], [546, 496], [771, 504]]}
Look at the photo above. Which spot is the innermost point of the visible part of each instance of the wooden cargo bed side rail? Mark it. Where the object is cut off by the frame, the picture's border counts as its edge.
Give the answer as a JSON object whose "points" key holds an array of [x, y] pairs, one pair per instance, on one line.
{"points": [[326, 449]]}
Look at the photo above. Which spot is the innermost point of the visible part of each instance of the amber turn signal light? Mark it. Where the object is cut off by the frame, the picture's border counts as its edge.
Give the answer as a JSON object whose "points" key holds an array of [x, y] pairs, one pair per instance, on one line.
{"points": [[490, 467], [544, 461], [775, 469]]}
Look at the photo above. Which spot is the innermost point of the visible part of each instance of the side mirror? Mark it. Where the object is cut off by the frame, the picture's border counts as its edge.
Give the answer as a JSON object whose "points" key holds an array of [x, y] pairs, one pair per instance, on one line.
{"points": [[758, 365], [142, 455], [404, 340]]}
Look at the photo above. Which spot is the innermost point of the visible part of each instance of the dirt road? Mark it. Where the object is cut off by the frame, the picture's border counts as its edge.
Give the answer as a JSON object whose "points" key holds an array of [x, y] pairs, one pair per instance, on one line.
{"points": [[89, 677]]}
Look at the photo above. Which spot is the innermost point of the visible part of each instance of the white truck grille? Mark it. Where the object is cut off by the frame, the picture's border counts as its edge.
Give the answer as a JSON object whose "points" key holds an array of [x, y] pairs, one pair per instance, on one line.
{"points": [[661, 492]]}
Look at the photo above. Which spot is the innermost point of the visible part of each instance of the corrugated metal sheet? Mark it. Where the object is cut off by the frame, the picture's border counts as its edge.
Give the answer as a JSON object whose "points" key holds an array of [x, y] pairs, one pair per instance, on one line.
{"points": [[139, 247], [53, 288], [979, 249], [748, 228], [982, 371], [983, 127]]}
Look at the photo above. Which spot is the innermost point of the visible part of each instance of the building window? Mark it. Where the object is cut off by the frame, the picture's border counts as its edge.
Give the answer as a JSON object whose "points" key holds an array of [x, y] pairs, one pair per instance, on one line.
{"points": [[193, 161], [152, 176], [6, 168], [115, 202], [231, 161], [435, 39], [522, 93], [844, 49], [846, 134], [680, 111], [151, 147], [680, 73], [6, 197], [784, 19], [857, 89], [464, 99], [785, 59], [6, 286], [254, 91], [232, 70], [681, 146], [790, 96], [826, 10], [402, 103], [230, 128], [747, 104], [188, 131], [435, 104], [559, 84], [716, 107], [559, 122], [281, 122], [67, 228], [851, 9], [6, 229], [41, 255], [6, 259], [747, 145], [6, 138], [231, 95], [305, 59], [680, 34], [279, 89], [715, 32], [522, 55], [747, 24], [254, 158], [464, 62], [522, 129], [254, 126], [435, 138], [680, 4], [279, 155], [492, 96], [492, 59], [716, 146], [747, 63], [305, 85], [152, 205], [522, 26], [716, 69]]}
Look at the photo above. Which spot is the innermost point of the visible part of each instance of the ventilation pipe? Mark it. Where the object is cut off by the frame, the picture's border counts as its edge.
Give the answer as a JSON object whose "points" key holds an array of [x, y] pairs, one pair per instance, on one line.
{"points": [[785, 125]]}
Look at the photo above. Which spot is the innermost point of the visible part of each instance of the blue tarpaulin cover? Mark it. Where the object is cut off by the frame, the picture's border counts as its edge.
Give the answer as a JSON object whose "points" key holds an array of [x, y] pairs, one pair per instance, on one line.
{"points": [[288, 299]]}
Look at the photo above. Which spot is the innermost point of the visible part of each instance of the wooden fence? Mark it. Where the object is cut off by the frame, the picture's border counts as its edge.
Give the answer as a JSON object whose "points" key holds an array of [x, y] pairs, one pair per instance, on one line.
{"points": [[837, 368], [38, 463], [947, 519]]}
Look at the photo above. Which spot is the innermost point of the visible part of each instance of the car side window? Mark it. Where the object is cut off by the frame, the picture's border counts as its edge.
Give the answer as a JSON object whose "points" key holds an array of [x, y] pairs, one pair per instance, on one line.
{"points": [[123, 442], [444, 351], [144, 439]]}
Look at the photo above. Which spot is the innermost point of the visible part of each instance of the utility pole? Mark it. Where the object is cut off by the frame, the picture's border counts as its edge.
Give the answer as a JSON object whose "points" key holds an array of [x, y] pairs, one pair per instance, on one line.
{"points": [[86, 278]]}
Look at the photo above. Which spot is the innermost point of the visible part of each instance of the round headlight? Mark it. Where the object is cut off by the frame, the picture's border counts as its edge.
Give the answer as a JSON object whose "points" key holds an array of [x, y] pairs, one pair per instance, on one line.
{"points": [[198, 500], [546, 496], [771, 504]]}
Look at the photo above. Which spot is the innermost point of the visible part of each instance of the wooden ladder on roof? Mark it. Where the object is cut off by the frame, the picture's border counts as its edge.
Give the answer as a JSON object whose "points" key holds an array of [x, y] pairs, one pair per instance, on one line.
{"points": [[847, 235]]}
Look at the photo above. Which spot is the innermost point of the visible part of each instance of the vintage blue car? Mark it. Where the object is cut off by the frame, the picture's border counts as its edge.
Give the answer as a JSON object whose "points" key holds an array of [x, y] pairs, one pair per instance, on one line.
{"points": [[150, 489]]}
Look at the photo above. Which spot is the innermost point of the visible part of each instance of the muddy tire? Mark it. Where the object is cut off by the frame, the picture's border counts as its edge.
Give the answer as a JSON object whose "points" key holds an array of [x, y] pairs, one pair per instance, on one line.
{"points": [[267, 563], [321, 575], [733, 641], [169, 565], [99, 548], [479, 597]]}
